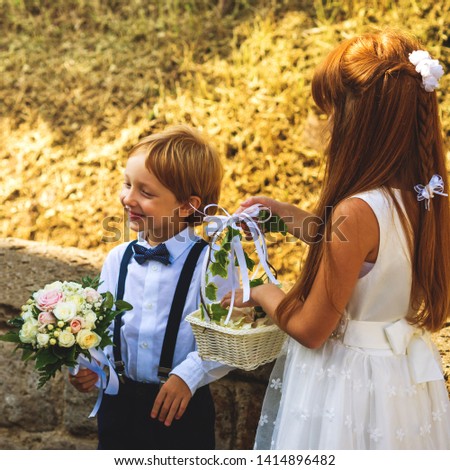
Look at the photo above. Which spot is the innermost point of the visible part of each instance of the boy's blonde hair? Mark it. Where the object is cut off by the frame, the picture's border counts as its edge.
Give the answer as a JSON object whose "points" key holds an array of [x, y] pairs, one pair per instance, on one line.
{"points": [[186, 163]]}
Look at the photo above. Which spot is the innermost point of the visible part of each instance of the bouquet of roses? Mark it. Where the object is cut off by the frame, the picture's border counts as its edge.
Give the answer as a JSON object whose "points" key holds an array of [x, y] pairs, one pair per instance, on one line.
{"points": [[63, 323]]}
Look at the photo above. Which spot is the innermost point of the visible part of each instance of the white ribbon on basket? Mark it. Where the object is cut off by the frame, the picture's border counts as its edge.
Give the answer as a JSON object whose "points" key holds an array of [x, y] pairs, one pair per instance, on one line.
{"points": [[108, 384], [216, 225]]}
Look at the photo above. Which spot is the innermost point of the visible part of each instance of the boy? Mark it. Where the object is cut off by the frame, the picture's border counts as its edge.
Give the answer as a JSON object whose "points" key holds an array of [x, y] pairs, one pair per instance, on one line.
{"points": [[164, 401]]}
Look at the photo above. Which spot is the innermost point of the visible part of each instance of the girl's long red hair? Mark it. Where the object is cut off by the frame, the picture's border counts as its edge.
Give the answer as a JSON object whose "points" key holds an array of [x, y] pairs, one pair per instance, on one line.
{"points": [[384, 131]]}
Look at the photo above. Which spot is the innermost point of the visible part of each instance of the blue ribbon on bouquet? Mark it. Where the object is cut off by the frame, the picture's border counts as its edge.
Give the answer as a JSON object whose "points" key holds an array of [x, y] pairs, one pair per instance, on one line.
{"points": [[216, 225], [108, 384]]}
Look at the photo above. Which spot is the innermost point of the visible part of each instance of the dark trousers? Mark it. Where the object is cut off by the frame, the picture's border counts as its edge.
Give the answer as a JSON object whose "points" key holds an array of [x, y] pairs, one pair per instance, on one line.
{"points": [[124, 421]]}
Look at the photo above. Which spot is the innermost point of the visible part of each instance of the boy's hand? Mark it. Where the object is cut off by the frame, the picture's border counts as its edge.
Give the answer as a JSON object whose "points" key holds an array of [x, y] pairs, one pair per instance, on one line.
{"points": [[84, 381], [172, 400]]}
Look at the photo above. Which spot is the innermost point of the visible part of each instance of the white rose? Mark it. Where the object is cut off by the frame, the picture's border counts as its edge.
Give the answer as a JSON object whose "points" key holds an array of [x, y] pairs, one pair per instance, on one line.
{"points": [[88, 339], [90, 318], [65, 311], [27, 314], [72, 287], [66, 339], [28, 332], [54, 285], [42, 339], [77, 299]]}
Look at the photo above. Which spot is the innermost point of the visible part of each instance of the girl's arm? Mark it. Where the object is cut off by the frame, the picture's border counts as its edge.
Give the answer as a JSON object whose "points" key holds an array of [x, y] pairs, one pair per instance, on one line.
{"points": [[313, 321], [296, 219]]}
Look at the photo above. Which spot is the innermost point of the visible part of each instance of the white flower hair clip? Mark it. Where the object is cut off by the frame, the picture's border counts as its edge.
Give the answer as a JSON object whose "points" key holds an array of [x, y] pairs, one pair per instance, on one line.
{"points": [[435, 186], [430, 69]]}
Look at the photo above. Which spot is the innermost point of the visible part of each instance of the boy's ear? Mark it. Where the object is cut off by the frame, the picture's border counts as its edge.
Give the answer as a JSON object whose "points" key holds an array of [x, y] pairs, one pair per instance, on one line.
{"points": [[188, 207]]}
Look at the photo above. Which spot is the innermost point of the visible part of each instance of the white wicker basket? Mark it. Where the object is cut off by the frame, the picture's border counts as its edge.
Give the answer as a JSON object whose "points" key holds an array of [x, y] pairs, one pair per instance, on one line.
{"points": [[243, 349]]}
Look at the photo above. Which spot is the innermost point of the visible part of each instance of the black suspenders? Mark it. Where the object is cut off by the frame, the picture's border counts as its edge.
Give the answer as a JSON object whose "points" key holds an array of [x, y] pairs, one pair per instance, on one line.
{"points": [[176, 310], [118, 362]]}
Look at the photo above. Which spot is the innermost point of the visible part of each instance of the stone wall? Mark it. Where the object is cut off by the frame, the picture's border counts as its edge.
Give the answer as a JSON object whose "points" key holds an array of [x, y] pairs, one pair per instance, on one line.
{"points": [[56, 416]]}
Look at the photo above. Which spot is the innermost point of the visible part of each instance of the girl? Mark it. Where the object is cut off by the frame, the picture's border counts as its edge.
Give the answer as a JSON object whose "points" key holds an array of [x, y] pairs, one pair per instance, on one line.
{"points": [[360, 370]]}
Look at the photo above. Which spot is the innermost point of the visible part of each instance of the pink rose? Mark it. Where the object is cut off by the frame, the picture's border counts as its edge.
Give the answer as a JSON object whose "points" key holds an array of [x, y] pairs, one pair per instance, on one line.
{"points": [[76, 324], [45, 318], [46, 300], [92, 295]]}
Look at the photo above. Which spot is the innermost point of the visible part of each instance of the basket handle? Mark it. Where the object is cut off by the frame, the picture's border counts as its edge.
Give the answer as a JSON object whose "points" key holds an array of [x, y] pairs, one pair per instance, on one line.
{"points": [[232, 220]]}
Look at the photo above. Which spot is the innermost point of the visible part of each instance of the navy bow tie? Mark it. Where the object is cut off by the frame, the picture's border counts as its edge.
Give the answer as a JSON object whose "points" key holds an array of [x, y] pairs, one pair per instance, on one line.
{"points": [[159, 253]]}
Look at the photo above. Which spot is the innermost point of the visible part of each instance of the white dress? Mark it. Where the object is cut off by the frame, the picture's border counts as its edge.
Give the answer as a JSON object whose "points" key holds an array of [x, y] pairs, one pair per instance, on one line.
{"points": [[377, 383]]}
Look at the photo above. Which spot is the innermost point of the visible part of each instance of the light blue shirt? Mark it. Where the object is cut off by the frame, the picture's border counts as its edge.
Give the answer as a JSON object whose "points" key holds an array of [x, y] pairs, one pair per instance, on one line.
{"points": [[149, 288]]}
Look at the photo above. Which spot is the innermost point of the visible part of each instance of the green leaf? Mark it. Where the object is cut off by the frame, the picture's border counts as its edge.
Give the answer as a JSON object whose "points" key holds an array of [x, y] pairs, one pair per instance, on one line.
{"points": [[60, 352], [87, 354], [123, 306], [231, 233], [26, 354], [218, 312], [256, 282], [106, 341], [211, 291], [10, 337], [43, 378], [36, 311], [249, 262], [218, 270], [204, 312], [108, 300], [71, 356], [45, 357], [221, 257], [274, 224], [16, 322], [226, 245], [91, 282]]}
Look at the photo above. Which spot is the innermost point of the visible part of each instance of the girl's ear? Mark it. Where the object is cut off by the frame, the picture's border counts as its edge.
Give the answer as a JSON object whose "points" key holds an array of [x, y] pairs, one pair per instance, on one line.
{"points": [[188, 207]]}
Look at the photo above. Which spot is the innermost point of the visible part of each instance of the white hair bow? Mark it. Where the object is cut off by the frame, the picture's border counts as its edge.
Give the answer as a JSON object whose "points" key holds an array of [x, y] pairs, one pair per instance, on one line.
{"points": [[435, 186], [430, 69]]}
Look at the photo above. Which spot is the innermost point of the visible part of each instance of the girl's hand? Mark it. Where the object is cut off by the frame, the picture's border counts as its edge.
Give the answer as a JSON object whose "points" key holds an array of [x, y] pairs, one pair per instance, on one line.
{"points": [[268, 202], [273, 205], [267, 296], [84, 381], [296, 220], [238, 299]]}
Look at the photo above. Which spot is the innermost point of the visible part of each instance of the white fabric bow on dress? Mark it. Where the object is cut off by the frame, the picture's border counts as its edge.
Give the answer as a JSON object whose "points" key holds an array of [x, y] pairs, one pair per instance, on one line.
{"points": [[412, 341], [435, 186]]}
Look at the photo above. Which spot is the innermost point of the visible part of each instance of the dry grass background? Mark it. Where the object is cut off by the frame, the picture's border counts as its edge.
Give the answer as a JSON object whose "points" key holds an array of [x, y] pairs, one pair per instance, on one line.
{"points": [[82, 80]]}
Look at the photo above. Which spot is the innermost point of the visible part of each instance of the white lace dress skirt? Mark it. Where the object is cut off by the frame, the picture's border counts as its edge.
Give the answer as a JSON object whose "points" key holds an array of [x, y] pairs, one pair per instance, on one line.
{"points": [[341, 397]]}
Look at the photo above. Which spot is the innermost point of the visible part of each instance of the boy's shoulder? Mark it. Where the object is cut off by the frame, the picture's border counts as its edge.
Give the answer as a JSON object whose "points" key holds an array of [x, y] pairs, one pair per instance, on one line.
{"points": [[116, 253]]}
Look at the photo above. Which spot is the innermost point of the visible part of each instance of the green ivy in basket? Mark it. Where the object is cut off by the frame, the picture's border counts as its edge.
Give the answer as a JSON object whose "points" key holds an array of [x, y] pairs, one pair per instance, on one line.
{"points": [[218, 266]]}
